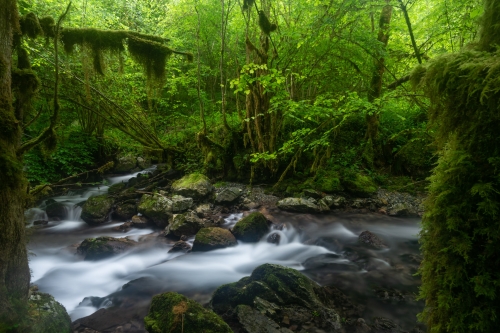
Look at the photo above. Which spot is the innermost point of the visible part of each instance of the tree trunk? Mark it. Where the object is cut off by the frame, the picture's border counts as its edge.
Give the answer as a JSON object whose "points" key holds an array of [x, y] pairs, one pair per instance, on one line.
{"points": [[14, 271], [374, 93]]}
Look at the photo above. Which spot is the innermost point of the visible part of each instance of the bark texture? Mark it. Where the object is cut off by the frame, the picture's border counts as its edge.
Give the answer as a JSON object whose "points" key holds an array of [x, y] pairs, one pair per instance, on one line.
{"points": [[14, 271]]}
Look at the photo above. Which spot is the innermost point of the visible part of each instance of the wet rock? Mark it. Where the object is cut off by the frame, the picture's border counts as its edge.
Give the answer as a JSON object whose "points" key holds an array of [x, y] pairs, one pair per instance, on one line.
{"points": [[125, 210], [55, 209], [48, 314], [125, 164], [384, 325], [277, 292], [252, 321], [180, 246], [180, 203], [400, 204], [274, 238], [399, 209], [116, 188], [96, 209], [168, 310], [203, 210], [371, 240], [157, 208], [184, 224], [299, 205], [251, 228], [330, 261], [40, 222], [208, 239], [139, 222], [228, 195], [104, 247], [195, 186], [123, 227]]}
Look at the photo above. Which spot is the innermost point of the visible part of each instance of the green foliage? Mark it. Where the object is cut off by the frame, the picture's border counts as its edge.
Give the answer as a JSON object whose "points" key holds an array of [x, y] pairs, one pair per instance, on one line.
{"points": [[75, 153]]}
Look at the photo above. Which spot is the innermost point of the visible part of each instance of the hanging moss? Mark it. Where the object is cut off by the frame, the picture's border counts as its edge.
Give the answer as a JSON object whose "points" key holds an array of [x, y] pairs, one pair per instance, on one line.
{"points": [[25, 81], [490, 38], [265, 25], [30, 26], [461, 228], [151, 55], [23, 60], [48, 26]]}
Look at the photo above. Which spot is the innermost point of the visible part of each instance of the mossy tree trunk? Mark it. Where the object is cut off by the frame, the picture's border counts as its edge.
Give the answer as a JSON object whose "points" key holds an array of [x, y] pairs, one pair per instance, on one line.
{"points": [[373, 118], [14, 271]]}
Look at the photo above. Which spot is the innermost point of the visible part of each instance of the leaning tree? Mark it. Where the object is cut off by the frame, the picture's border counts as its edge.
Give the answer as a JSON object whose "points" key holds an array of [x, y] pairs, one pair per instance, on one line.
{"points": [[461, 227], [18, 86]]}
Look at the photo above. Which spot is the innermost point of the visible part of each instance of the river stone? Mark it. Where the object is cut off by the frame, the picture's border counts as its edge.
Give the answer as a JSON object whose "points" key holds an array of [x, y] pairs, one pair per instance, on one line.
{"points": [[204, 210], [125, 210], [180, 246], [272, 290], [168, 310], [252, 321], [213, 238], [139, 222], [104, 247], [334, 201], [55, 209], [143, 163], [180, 203], [299, 205], [157, 208], [251, 228], [399, 209], [371, 240], [47, 314], [184, 224], [195, 186], [228, 195], [96, 209], [125, 164]]}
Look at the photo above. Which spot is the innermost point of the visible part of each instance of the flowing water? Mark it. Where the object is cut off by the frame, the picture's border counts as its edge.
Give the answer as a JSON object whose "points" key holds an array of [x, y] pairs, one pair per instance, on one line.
{"points": [[324, 247]]}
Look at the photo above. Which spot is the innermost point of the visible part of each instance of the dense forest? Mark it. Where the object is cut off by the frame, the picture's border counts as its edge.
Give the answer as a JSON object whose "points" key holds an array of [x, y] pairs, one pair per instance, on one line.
{"points": [[335, 96]]}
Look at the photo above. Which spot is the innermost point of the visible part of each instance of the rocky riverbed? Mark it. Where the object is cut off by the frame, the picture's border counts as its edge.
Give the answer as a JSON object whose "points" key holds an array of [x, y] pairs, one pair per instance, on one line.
{"points": [[153, 232]]}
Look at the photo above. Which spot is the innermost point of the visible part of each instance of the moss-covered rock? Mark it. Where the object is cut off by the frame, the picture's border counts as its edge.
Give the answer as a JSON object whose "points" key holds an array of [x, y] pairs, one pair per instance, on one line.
{"points": [[156, 208], [116, 188], [360, 185], [125, 210], [228, 195], [184, 224], [194, 185], [180, 203], [125, 164], [55, 209], [300, 205], [251, 228], [174, 313], [208, 239], [104, 247], [276, 291], [96, 209], [328, 181], [47, 315]]}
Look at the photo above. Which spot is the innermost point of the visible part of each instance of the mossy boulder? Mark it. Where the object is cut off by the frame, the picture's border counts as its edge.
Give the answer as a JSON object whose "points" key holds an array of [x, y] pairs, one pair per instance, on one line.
{"points": [[47, 315], [300, 205], [116, 188], [125, 164], [184, 224], [194, 185], [174, 313], [96, 209], [251, 228], [360, 185], [157, 208], [180, 203], [275, 292], [104, 247], [55, 209], [228, 195], [214, 238], [125, 210]]}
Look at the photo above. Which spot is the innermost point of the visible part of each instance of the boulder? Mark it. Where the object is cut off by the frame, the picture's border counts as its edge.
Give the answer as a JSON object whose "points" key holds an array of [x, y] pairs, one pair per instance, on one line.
{"points": [[47, 314], [299, 205], [157, 208], [251, 228], [399, 209], [204, 210], [116, 188], [125, 210], [143, 163], [125, 164], [172, 312], [334, 201], [184, 224], [180, 203], [274, 238], [194, 185], [371, 240], [180, 246], [228, 195], [283, 295], [214, 238], [139, 222], [96, 209], [104, 247], [55, 209]]}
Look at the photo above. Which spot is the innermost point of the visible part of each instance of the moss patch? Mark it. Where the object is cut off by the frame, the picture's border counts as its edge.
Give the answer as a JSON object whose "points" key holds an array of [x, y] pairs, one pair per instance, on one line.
{"points": [[251, 228], [174, 313], [208, 239], [96, 209], [359, 185], [47, 315]]}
